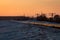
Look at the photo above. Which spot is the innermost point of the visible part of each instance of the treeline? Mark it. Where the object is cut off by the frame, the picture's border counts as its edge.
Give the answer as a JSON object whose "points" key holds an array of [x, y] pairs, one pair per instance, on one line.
{"points": [[53, 18], [19, 18], [42, 17]]}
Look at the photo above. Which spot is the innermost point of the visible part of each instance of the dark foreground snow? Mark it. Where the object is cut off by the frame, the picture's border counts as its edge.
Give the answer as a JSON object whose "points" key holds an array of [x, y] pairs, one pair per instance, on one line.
{"points": [[11, 30]]}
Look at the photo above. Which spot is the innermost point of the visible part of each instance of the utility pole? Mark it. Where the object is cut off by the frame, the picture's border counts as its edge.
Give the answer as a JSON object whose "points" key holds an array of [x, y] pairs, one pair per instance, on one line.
{"points": [[52, 14], [24, 14], [37, 14]]}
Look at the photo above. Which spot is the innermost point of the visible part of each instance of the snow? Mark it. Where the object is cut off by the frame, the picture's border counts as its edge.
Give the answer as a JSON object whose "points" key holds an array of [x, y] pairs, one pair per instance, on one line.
{"points": [[14, 30]]}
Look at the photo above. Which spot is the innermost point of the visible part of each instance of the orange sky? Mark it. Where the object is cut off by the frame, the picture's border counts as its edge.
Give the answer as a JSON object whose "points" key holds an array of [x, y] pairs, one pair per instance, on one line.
{"points": [[28, 7]]}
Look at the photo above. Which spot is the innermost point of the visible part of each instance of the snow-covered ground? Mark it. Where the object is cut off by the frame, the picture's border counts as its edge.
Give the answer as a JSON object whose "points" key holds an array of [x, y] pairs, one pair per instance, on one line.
{"points": [[14, 30]]}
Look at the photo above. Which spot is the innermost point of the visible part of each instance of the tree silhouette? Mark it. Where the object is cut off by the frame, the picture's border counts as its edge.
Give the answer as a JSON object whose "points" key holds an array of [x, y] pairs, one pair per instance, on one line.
{"points": [[42, 17], [56, 18]]}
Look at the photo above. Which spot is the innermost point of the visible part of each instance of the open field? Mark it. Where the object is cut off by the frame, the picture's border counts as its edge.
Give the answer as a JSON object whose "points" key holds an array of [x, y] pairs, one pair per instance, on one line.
{"points": [[19, 30]]}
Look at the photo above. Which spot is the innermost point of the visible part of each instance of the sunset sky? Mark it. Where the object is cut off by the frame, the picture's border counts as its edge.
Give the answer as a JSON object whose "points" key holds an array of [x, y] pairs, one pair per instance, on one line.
{"points": [[28, 7]]}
